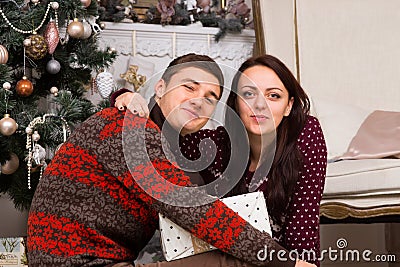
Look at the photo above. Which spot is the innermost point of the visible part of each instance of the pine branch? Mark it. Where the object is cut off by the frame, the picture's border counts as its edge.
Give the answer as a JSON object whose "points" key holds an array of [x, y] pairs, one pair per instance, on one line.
{"points": [[78, 60]]}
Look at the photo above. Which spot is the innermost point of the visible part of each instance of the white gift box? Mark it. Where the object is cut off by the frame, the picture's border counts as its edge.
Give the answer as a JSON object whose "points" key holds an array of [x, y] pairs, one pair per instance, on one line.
{"points": [[178, 243]]}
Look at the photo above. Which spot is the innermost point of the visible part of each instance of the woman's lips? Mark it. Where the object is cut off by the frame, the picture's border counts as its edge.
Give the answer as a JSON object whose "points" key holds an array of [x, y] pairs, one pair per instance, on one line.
{"points": [[259, 118]]}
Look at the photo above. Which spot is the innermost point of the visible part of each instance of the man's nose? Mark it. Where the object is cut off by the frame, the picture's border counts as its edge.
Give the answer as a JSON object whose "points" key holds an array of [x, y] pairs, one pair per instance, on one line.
{"points": [[196, 101]]}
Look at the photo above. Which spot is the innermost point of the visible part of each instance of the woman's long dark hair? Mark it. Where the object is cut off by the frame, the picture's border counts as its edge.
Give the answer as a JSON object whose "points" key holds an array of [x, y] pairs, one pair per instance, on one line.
{"points": [[287, 162]]}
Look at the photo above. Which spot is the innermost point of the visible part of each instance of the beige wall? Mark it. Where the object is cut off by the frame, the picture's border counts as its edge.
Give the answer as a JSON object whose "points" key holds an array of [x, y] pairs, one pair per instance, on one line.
{"points": [[348, 49], [278, 26]]}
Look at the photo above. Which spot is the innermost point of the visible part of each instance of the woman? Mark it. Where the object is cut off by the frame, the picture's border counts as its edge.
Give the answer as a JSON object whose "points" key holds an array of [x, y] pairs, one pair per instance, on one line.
{"points": [[271, 100], [294, 184]]}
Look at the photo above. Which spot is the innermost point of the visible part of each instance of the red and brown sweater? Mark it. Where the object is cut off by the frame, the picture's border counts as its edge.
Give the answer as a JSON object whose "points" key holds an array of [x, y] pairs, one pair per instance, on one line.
{"points": [[90, 208]]}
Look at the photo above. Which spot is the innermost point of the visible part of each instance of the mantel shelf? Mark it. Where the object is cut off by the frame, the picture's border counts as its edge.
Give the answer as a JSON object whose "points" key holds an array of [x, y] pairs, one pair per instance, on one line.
{"points": [[157, 28], [157, 41]]}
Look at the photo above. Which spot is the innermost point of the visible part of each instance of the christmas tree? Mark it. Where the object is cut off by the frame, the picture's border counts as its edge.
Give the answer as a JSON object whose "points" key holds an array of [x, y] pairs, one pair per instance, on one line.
{"points": [[48, 55]]}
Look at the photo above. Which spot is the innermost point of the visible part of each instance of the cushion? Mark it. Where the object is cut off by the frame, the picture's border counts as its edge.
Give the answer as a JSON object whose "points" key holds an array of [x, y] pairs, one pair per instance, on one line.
{"points": [[362, 177], [340, 123], [378, 137]]}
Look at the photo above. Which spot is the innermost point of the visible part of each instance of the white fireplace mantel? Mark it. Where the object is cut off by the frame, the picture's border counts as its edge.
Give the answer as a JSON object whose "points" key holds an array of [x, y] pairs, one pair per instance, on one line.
{"points": [[162, 43]]}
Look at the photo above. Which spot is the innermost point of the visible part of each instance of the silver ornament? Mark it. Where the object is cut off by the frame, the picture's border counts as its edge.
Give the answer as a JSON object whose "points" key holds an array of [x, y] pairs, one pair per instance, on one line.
{"points": [[53, 66], [54, 90], [27, 42], [28, 130], [35, 136], [7, 86], [87, 30], [8, 126], [55, 5], [104, 81]]}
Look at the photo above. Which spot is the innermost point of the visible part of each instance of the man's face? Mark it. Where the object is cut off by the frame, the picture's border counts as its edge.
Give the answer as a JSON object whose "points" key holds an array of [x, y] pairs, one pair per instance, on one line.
{"points": [[189, 99]]}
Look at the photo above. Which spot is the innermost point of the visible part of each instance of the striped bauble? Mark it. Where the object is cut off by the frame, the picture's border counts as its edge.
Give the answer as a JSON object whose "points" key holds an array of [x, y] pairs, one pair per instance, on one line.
{"points": [[3, 55]]}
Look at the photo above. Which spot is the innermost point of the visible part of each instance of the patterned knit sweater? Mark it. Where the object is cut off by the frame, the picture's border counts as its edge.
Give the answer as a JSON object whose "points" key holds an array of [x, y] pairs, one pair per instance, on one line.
{"points": [[90, 207]]}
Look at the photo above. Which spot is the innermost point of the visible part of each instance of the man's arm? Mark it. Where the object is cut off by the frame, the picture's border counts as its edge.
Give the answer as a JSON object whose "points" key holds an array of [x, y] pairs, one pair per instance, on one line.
{"points": [[116, 94], [152, 177]]}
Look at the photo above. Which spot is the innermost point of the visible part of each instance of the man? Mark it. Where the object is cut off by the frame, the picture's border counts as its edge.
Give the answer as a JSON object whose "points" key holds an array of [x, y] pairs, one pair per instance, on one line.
{"points": [[98, 201]]}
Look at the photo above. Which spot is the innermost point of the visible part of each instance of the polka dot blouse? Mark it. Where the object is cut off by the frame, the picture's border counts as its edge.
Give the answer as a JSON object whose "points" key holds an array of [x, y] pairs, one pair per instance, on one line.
{"points": [[300, 229]]}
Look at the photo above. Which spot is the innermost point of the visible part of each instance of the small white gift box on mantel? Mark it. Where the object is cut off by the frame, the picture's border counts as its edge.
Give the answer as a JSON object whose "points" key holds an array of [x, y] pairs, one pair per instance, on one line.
{"points": [[178, 243]]}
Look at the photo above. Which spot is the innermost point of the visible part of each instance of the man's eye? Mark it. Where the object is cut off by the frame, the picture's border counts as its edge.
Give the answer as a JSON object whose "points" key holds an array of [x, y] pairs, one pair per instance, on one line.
{"points": [[189, 87], [211, 101]]}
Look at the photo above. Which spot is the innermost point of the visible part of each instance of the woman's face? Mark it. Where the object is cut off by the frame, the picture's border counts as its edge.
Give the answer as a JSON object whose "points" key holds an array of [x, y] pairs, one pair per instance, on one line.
{"points": [[262, 100]]}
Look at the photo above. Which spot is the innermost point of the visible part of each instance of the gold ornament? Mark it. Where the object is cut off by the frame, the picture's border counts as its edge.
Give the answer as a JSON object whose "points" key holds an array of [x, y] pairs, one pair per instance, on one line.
{"points": [[51, 36], [3, 55], [133, 78], [86, 3], [24, 87], [37, 48], [8, 126], [11, 165], [75, 29]]}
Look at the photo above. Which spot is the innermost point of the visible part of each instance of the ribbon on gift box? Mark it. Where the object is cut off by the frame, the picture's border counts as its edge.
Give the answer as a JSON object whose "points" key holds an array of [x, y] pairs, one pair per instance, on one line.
{"points": [[178, 243]]}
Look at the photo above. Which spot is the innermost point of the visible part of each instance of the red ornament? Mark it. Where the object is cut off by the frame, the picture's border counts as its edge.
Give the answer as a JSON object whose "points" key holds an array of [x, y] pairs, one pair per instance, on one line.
{"points": [[51, 37], [24, 87]]}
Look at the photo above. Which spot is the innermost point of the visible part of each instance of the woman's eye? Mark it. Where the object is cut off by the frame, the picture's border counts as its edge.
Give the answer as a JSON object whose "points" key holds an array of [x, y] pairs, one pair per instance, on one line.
{"points": [[248, 94], [274, 95]]}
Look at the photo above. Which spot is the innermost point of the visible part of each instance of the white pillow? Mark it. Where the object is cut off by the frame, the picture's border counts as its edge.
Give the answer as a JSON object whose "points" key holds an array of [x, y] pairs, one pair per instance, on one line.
{"points": [[339, 123]]}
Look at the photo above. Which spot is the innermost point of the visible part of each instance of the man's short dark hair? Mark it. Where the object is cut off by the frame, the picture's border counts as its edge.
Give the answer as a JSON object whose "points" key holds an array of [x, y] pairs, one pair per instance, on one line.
{"points": [[202, 62]]}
